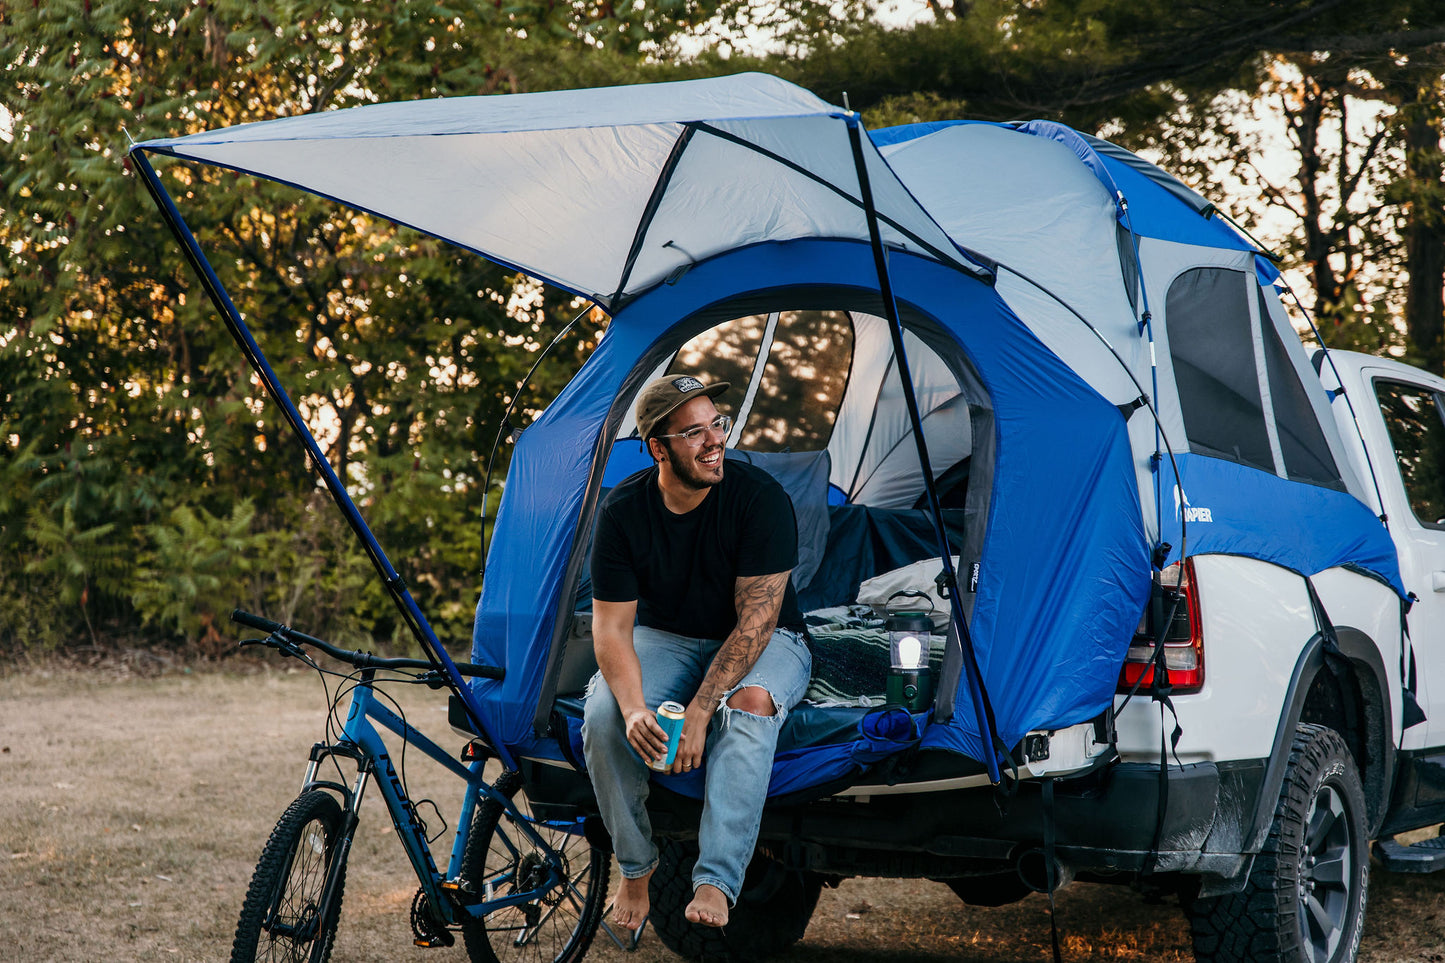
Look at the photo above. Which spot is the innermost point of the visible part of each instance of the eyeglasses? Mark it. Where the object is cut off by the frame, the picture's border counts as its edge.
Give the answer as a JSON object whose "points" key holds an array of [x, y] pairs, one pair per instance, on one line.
{"points": [[694, 437]]}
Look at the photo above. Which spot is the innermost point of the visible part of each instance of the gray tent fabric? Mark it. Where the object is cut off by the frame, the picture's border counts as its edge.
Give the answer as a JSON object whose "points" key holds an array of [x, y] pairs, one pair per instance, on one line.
{"points": [[564, 185]]}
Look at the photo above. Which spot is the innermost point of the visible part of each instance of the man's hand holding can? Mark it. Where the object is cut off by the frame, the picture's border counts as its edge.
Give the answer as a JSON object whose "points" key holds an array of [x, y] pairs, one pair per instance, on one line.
{"points": [[670, 717]]}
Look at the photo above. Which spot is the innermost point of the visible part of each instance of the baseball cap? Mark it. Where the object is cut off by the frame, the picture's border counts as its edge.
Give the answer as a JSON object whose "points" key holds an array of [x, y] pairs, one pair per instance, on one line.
{"points": [[663, 396]]}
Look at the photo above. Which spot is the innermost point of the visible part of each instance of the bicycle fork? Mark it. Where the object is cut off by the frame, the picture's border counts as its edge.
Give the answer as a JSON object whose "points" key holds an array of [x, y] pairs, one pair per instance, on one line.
{"points": [[350, 819]]}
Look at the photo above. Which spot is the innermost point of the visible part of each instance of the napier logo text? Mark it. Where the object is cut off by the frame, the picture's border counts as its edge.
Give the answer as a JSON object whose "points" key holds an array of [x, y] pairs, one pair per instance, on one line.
{"points": [[685, 385], [1191, 514]]}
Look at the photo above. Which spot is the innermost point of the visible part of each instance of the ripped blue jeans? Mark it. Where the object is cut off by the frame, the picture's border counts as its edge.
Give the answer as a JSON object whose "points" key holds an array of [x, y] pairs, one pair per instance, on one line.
{"points": [[737, 763]]}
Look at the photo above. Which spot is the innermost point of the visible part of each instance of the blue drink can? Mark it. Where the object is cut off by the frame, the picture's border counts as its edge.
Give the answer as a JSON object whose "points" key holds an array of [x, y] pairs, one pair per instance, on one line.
{"points": [[669, 716]]}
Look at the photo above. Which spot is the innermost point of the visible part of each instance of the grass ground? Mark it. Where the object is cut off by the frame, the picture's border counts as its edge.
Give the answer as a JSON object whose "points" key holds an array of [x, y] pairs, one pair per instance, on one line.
{"points": [[132, 811]]}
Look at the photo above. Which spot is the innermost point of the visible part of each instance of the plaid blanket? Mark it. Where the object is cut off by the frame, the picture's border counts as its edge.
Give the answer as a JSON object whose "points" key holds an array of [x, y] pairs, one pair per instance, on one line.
{"points": [[850, 657]]}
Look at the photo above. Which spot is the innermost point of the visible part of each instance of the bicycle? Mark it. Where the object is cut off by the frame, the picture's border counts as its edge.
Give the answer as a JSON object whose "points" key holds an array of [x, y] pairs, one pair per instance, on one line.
{"points": [[517, 887]]}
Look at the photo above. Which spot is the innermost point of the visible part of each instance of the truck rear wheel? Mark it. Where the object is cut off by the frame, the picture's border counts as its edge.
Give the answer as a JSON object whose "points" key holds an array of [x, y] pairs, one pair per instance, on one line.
{"points": [[771, 913], [1305, 898]]}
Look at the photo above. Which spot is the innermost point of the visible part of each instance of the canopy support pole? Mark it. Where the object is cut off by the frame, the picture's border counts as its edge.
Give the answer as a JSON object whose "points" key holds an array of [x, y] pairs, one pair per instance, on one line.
{"points": [[983, 711], [410, 612]]}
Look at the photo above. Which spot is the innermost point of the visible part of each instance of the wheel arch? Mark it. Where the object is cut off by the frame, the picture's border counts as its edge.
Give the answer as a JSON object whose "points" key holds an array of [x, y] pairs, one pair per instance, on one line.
{"points": [[1361, 703], [1339, 681]]}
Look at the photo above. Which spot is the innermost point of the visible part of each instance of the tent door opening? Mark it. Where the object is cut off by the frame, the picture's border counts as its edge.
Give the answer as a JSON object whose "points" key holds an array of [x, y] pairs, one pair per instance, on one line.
{"points": [[817, 403]]}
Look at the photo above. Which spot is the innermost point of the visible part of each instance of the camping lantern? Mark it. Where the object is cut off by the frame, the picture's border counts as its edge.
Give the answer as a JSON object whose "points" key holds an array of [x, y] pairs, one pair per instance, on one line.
{"points": [[910, 682]]}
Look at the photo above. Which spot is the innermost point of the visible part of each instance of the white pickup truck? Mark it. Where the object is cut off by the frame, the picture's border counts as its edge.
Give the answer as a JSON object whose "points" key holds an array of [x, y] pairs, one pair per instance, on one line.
{"points": [[1316, 707]]}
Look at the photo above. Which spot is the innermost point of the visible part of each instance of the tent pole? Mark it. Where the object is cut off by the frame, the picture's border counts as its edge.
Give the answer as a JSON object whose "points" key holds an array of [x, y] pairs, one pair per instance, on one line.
{"points": [[411, 613], [981, 707]]}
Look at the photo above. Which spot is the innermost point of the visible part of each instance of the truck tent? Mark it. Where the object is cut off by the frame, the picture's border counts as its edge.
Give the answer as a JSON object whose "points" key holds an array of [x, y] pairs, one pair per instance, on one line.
{"points": [[1035, 273]]}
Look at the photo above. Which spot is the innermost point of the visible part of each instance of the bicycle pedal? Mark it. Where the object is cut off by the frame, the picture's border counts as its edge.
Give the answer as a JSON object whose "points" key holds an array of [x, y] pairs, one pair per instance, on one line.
{"points": [[459, 891], [434, 942]]}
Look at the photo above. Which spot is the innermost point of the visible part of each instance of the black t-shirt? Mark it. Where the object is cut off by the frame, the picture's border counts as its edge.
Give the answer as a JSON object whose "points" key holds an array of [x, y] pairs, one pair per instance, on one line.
{"points": [[682, 569]]}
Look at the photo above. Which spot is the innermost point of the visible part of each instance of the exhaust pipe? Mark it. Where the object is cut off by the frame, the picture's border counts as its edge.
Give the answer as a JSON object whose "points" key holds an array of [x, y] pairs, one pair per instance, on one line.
{"points": [[1034, 867]]}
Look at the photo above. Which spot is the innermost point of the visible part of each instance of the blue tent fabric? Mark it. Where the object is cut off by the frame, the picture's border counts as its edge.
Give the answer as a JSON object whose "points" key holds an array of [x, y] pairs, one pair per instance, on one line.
{"points": [[886, 136], [764, 208], [628, 456], [862, 539], [1232, 509], [1156, 212], [1064, 505]]}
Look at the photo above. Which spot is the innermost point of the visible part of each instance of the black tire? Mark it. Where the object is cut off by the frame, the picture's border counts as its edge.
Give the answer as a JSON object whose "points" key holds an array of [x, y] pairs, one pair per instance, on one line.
{"points": [[283, 917], [1305, 898], [994, 889], [558, 928], [771, 914]]}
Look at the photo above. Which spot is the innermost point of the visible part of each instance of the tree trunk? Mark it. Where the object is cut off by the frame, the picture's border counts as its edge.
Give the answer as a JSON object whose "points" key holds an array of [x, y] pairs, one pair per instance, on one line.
{"points": [[1425, 230], [1305, 122]]}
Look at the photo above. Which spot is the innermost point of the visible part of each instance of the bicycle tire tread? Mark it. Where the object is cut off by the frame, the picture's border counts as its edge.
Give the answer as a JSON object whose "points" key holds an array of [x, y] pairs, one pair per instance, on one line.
{"points": [[275, 858]]}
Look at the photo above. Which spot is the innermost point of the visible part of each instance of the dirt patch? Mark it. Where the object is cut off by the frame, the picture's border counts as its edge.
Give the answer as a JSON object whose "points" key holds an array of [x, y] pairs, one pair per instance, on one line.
{"points": [[132, 811]]}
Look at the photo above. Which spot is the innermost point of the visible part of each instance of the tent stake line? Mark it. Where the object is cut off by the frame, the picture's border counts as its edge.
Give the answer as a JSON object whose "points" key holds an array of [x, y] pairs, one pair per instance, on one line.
{"points": [[395, 586], [983, 711]]}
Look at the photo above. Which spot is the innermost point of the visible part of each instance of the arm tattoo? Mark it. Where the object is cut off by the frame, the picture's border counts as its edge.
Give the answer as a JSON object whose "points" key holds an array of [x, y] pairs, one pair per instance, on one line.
{"points": [[758, 599]]}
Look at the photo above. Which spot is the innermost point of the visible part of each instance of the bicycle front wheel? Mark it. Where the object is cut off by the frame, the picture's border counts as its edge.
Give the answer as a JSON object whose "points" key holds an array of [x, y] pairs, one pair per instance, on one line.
{"points": [[287, 915], [500, 860]]}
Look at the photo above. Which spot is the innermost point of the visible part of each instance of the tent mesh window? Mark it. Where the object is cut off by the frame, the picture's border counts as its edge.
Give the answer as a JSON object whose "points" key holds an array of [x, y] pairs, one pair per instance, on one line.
{"points": [[799, 385], [1307, 456], [1412, 415], [1212, 348], [727, 352]]}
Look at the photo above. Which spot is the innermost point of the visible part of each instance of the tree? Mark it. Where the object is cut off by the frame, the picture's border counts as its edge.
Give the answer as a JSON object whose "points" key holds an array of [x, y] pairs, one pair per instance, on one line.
{"points": [[1420, 192], [128, 418]]}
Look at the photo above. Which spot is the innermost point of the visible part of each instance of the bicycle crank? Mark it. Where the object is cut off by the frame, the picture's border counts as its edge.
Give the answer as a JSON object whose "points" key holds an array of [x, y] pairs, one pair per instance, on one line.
{"points": [[426, 929]]}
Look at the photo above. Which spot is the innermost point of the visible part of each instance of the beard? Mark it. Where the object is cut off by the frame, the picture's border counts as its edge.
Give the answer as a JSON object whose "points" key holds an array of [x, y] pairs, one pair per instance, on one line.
{"points": [[691, 466]]}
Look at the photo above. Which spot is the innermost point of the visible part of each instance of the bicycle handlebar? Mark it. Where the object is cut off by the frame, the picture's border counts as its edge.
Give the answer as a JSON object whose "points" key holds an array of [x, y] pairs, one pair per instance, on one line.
{"points": [[255, 621], [361, 660]]}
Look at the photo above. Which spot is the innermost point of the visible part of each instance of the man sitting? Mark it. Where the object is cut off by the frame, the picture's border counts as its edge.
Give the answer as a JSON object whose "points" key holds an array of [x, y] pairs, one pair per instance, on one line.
{"points": [[700, 561]]}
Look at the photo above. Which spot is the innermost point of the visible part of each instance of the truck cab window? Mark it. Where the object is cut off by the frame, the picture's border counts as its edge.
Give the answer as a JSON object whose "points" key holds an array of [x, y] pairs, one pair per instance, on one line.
{"points": [[1417, 433]]}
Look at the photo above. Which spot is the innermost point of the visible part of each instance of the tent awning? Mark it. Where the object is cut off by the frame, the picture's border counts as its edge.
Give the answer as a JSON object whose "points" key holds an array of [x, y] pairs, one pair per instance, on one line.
{"points": [[605, 192]]}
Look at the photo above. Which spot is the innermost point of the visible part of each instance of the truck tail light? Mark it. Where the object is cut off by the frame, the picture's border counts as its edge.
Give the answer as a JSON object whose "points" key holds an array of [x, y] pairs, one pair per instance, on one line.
{"points": [[1183, 641]]}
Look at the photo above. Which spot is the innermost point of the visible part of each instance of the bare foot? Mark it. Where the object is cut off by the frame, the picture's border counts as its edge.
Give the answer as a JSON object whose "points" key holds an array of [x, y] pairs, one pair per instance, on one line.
{"points": [[709, 906], [631, 906]]}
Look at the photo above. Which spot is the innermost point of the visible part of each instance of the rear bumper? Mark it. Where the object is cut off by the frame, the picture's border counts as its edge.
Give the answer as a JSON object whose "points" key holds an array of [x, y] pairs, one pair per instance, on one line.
{"points": [[1105, 824]]}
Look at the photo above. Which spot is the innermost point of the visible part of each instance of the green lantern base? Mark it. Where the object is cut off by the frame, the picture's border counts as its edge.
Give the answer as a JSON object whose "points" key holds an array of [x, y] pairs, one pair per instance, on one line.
{"points": [[910, 688]]}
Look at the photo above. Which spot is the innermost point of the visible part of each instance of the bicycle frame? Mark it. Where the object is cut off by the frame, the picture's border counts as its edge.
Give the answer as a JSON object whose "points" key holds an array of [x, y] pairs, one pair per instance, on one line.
{"points": [[362, 743]]}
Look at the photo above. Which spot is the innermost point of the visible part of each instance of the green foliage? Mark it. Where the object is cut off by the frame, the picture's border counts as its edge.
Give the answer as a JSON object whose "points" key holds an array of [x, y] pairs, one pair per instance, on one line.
{"points": [[190, 556], [77, 558], [147, 484]]}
